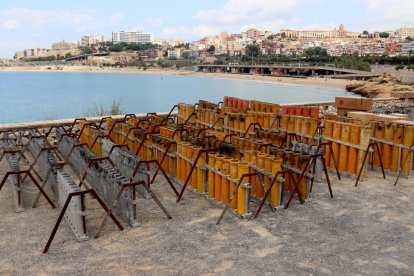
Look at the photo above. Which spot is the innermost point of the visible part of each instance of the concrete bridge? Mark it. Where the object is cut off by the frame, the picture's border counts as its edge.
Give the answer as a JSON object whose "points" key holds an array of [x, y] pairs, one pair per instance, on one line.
{"points": [[287, 70]]}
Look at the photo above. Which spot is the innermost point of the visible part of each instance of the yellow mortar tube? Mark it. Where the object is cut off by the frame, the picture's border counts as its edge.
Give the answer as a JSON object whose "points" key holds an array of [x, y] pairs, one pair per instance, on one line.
{"points": [[193, 178], [407, 141], [298, 124], [296, 164], [291, 123], [363, 142], [217, 180], [200, 173], [354, 134], [254, 180], [248, 158], [336, 134], [234, 164], [268, 168], [305, 129], [285, 122], [343, 149], [242, 194], [179, 160], [288, 161], [211, 177], [225, 183], [398, 139], [242, 122], [387, 149], [313, 127], [261, 164], [266, 120], [274, 193], [379, 134], [172, 164], [184, 162], [303, 185], [328, 133]]}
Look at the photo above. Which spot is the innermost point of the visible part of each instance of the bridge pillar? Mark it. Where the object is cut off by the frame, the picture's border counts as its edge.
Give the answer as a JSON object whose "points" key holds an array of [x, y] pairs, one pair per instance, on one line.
{"points": [[285, 71], [313, 72]]}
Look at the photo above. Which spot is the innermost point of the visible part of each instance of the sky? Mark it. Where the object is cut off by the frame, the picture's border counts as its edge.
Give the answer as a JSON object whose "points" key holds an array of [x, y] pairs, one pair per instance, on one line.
{"points": [[29, 23]]}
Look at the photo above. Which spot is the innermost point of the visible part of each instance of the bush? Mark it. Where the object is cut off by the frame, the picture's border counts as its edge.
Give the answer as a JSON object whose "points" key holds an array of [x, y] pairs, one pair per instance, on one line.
{"points": [[99, 111], [399, 67]]}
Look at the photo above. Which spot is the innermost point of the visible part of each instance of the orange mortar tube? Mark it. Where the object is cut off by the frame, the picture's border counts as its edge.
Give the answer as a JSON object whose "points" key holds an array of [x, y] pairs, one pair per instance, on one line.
{"points": [[398, 139], [313, 127], [234, 164], [363, 142], [261, 164], [343, 149], [242, 194], [248, 158], [274, 193], [211, 177], [225, 183], [407, 142], [336, 134], [379, 134], [328, 133], [354, 134], [193, 178], [268, 168], [288, 161], [285, 122], [179, 163], [200, 173], [387, 149], [303, 185], [305, 129], [298, 124], [217, 180]]}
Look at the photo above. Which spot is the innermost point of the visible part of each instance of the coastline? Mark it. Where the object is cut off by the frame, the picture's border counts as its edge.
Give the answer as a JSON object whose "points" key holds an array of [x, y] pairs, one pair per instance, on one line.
{"points": [[320, 82]]}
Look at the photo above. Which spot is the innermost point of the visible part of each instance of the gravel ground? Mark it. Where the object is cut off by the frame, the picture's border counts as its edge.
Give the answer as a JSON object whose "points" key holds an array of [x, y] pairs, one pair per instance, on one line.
{"points": [[364, 230]]}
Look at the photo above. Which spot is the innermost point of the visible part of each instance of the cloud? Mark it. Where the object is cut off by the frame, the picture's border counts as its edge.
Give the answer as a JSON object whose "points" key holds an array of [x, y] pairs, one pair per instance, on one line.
{"points": [[9, 24], [38, 21], [395, 14]]}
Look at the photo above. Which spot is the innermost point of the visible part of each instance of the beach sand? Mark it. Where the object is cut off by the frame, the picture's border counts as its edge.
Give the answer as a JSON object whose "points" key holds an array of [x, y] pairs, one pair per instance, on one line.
{"points": [[322, 82]]}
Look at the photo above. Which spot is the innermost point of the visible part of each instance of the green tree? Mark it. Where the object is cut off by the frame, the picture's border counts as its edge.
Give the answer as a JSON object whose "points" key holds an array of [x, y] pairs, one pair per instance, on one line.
{"points": [[86, 50], [365, 32], [211, 49], [315, 52], [408, 38], [399, 67], [116, 48], [384, 35], [252, 50]]}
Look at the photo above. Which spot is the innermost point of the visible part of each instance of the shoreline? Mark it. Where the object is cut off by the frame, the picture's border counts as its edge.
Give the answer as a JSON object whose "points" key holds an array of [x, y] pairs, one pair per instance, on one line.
{"points": [[319, 82]]}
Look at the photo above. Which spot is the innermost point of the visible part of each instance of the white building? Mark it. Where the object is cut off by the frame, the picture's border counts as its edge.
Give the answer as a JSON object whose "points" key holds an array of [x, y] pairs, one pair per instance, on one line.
{"points": [[408, 49], [93, 39], [406, 32], [33, 53], [176, 53], [131, 37]]}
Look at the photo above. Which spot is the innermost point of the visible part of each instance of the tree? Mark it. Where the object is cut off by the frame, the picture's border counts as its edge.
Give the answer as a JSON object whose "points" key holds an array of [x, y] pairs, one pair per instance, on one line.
{"points": [[315, 52], [115, 48], [365, 32], [384, 35], [86, 50], [399, 67], [211, 49], [252, 50], [409, 38]]}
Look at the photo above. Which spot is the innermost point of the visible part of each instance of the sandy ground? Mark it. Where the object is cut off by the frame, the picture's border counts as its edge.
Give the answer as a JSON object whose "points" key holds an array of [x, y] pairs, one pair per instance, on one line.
{"points": [[323, 82], [364, 230]]}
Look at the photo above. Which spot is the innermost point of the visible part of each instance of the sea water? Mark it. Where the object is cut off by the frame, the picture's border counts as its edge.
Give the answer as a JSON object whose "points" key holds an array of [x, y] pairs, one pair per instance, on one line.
{"points": [[34, 96]]}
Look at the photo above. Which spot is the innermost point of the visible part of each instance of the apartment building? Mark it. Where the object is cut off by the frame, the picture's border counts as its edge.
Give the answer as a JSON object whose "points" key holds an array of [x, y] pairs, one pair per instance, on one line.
{"points": [[33, 53], [131, 37], [93, 39], [406, 32]]}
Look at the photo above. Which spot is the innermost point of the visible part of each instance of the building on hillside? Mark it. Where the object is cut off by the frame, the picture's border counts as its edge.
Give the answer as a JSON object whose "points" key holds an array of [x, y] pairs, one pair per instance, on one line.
{"points": [[33, 53], [93, 39], [253, 34], [407, 49], [175, 53], [317, 34], [406, 32], [65, 45], [131, 37]]}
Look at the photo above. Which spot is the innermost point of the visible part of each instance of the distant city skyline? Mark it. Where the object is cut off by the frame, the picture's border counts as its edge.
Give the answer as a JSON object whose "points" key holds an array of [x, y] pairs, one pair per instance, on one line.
{"points": [[25, 23]]}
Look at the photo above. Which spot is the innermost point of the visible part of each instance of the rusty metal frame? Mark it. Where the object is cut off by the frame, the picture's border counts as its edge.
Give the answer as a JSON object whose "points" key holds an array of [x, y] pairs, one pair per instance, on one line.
{"points": [[404, 162], [27, 172], [372, 145], [62, 213]]}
